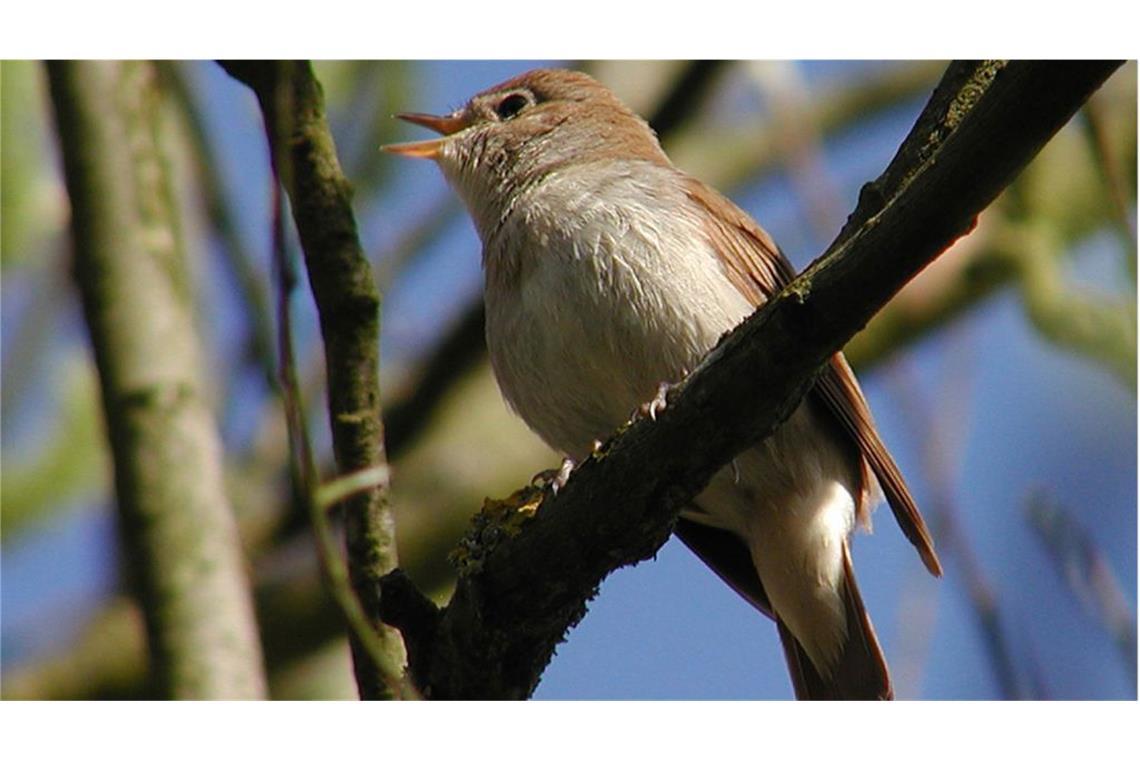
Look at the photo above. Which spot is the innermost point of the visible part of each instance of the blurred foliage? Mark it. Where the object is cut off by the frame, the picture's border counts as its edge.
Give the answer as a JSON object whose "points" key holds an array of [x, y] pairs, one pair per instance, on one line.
{"points": [[32, 201], [72, 462], [472, 446], [362, 97], [58, 462]]}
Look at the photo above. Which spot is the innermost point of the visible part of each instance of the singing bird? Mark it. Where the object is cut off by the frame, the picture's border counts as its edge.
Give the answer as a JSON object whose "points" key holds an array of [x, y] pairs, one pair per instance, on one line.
{"points": [[608, 271]]}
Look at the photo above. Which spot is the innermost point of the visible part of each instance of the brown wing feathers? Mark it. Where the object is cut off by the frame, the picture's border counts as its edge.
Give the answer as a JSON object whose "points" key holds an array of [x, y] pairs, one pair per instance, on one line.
{"points": [[840, 392], [758, 269]]}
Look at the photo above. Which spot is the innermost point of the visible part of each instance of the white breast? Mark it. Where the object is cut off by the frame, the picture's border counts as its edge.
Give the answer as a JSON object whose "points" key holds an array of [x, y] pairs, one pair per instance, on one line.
{"points": [[616, 291]]}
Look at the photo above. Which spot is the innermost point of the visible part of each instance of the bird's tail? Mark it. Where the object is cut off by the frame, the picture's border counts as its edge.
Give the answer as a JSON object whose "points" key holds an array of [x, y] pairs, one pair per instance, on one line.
{"points": [[860, 673]]}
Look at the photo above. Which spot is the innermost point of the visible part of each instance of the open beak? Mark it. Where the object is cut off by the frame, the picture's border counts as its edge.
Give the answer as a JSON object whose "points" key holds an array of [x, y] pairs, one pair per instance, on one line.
{"points": [[445, 125]]}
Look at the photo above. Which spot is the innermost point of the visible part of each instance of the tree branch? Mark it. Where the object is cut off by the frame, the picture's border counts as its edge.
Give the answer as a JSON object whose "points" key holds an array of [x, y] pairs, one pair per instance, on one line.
{"points": [[130, 268], [1099, 327], [684, 95], [525, 581], [236, 256], [348, 303]]}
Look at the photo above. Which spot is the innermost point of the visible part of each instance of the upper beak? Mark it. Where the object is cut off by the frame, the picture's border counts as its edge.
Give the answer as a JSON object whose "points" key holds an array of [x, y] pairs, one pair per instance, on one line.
{"points": [[445, 125]]}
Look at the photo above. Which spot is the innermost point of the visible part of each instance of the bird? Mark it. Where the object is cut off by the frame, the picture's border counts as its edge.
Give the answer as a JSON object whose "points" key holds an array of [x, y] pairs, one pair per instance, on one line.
{"points": [[609, 272]]}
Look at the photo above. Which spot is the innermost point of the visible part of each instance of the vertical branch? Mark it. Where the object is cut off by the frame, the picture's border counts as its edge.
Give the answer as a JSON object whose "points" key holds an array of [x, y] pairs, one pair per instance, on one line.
{"points": [[130, 268], [680, 101], [304, 471], [348, 303], [238, 259]]}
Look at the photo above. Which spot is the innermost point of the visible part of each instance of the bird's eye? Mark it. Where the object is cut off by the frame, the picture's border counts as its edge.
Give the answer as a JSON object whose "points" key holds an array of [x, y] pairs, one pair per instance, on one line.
{"points": [[509, 106]]}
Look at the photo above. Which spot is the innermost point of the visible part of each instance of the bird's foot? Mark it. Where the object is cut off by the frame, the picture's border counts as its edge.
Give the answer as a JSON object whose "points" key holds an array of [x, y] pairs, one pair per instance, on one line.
{"points": [[555, 479], [655, 405]]}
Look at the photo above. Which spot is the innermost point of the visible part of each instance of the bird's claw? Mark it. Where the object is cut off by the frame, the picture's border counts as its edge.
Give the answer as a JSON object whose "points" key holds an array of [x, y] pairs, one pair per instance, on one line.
{"points": [[655, 405], [554, 479]]}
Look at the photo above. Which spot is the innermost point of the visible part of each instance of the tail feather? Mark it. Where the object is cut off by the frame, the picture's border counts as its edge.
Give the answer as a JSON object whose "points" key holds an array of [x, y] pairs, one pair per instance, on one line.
{"points": [[861, 672]]}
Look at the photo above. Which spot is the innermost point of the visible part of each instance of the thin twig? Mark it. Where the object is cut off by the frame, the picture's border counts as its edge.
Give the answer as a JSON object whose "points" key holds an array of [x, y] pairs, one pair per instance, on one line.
{"points": [[304, 471], [1108, 164], [1087, 572]]}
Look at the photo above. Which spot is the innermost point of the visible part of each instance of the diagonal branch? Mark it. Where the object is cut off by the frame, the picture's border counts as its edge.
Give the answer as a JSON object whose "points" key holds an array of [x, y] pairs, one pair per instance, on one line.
{"points": [[523, 587]]}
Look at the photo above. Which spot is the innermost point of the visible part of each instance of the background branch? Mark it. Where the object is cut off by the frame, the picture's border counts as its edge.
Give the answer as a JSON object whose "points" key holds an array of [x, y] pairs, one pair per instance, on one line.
{"points": [[130, 268], [1087, 573], [235, 253], [938, 450]]}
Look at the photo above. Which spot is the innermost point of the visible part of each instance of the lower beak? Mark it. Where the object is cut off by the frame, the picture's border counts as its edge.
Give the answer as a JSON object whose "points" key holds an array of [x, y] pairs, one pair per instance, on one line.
{"points": [[445, 125], [422, 149]]}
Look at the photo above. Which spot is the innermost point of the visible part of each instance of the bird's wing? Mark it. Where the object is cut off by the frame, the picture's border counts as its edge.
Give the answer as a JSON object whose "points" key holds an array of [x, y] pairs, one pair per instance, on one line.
{"points": [[756, 266], [839, 390]]}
